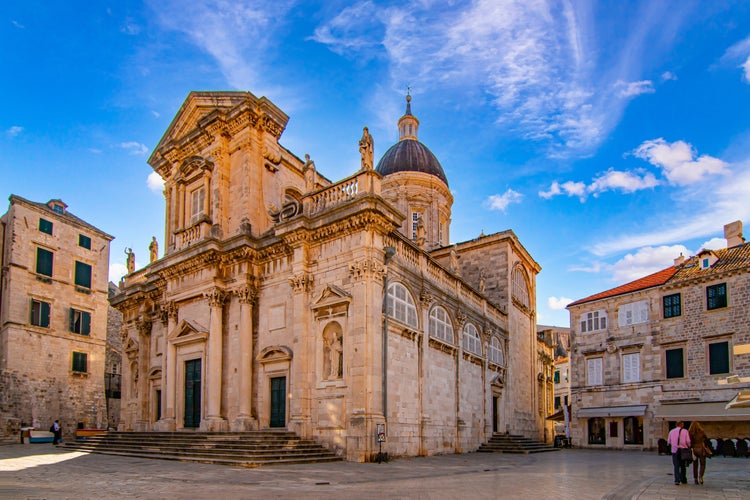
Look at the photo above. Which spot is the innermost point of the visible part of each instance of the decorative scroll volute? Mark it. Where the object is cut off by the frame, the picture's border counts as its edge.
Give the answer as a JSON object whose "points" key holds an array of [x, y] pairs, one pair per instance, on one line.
{"points": [[426, 298], [143, 326], [366, 268], [301, 282], [216, 297], [248, 294]]}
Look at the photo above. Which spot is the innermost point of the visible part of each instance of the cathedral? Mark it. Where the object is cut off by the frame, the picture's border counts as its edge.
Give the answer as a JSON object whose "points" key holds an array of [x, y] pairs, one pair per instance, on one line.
{"points": [[335, 309]]}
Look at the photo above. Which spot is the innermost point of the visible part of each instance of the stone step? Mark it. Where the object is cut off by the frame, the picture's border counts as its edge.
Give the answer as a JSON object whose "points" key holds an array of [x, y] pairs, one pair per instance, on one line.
{"points": [[504, 443], [245, 448]]}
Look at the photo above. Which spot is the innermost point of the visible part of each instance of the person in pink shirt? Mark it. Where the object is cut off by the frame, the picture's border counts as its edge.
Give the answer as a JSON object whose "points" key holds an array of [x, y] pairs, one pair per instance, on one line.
{"points": [[679, 438]]}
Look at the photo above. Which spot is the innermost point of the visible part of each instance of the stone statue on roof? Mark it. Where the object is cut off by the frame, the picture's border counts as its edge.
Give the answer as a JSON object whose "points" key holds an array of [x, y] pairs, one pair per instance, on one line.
{"points": [[366, 149]]}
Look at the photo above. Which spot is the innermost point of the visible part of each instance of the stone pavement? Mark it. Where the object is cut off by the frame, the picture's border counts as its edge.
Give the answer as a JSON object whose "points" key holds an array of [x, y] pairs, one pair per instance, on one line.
{"points": [[43, 471]]}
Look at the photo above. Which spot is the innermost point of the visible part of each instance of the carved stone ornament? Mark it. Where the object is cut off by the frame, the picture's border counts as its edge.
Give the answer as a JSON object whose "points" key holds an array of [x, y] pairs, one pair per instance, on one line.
{"points": [[460, 318], [168, 310], [301, 282], [216, 297], [366, 268], [247, 294], [425, 297], [143, 326]]}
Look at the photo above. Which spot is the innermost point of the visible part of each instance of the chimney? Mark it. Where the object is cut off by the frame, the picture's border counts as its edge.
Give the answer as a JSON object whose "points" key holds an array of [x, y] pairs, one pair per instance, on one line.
{"points": [[733, 234], [679, 260]]}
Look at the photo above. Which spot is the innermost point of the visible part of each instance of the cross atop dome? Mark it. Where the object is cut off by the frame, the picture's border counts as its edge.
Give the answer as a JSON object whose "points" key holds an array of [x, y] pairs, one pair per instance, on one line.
{"points": [[408, 124]]}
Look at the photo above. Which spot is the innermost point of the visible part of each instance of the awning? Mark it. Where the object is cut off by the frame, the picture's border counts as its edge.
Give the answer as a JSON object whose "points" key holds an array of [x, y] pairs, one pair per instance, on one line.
{"points": [[716, 411], [613, 411], [558, 416], [741, 400]]}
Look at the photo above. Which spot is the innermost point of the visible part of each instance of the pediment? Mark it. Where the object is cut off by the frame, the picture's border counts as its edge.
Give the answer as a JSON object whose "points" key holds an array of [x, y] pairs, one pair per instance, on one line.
{"points": [[188, 331], [275, 353], [332, 297]]}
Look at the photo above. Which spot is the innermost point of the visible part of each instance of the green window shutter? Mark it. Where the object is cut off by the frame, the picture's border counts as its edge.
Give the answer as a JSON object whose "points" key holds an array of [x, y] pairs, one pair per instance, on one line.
{"points": [[72, 320], [85, 323], [83, 275], [84, 241], [45, 226], [44, 262], [718, 358], [44, 314], [675, 366]]}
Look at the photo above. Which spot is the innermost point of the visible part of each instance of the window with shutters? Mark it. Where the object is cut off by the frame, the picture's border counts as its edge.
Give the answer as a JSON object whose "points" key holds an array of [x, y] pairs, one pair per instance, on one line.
{"points": [[633, 313], [716, 296], [401, 305], [84, 241], [44, 262], [40, 313], [83, 275], [470, 339], [440, 325], [672, 305], [675, 362], [594, 321], [80, 322], [594, 371], [631, 367], [557, 376], [45, 226], [80, 362], [718, 358]]}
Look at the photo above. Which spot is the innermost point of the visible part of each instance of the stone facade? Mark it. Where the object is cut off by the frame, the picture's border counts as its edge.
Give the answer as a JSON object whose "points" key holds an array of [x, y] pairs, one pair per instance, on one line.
{"points": [[113, 363], [660, 349], [268, 310], [53, 317]]}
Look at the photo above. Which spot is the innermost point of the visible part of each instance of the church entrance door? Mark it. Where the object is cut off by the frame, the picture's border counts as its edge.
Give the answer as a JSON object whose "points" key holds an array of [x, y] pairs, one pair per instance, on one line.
{"points": [[495, 416], [278, 402], [193, 393]]}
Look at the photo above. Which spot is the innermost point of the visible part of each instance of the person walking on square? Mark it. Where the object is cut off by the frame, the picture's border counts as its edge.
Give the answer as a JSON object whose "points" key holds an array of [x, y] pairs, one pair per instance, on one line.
{"points": [[679, 438], [57, 431], [700, 450]]}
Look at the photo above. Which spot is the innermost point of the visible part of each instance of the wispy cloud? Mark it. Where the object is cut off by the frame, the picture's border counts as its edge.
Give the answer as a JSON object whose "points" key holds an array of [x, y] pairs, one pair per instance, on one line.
{"points": [[645, 261], [14, 131], [739, 55], [17, 24], [502, 201], [155, 182], [611, 180], [344, 34], [135, 148], [238, 35], [632, 89], [668, 75], [130, 27], [95, 151]]}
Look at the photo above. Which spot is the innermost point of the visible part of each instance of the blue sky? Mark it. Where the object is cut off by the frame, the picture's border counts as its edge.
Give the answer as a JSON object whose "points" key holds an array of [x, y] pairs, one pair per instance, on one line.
{"points": [[609, 136]]}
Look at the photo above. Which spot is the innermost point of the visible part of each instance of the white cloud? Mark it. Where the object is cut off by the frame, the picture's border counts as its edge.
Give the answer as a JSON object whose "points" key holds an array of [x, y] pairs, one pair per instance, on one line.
{"points": [[14, 131], [502, 201], [95, 151], [746, 69], [558, 303], [347, 32], [645, 261], [632, 89], [739, 55], [117, 271], [17, 24], [156, 114], [155, 182], [594, 267], [130, 27], [135, 148], [627, 182], [678, 161], [715, 244], [668, 75], [569, 188]]}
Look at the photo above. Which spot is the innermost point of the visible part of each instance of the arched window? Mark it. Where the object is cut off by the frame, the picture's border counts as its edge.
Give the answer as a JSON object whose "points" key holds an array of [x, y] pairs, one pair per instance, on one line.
{"points": [[401, 305], [520, 290], [440, 324], [471, 340], [496, 352]]}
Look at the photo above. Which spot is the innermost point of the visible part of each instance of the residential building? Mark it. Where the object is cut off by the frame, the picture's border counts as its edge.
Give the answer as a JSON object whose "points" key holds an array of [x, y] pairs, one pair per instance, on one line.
{"points": [[659, 349], [53, 317], [337, 310]]}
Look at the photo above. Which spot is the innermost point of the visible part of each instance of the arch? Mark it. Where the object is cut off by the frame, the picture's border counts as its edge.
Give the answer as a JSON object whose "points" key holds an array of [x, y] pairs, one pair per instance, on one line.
{"points": [[274, 353], [470, 339], [495, 351], [401, 305], [520, 286], [441, 326]]}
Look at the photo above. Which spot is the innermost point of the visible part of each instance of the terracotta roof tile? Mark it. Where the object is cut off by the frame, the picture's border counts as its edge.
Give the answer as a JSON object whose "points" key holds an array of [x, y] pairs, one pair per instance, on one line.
{"points": [[652, 280]]}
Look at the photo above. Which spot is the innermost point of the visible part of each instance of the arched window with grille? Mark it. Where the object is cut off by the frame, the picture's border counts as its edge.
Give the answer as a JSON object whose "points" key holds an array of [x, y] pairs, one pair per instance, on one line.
{"points": [[520, 287], [440, 324], [495, 352], [401, 305], [470, 341]]}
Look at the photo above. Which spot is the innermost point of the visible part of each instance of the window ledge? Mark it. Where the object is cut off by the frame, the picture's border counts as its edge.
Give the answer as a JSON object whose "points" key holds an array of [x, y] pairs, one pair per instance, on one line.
{"points": [[81, 289], [43, 278], [79, 374]]}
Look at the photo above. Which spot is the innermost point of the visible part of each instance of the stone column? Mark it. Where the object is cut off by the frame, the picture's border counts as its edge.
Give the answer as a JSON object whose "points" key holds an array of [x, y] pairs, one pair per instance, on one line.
{"points": [[169, 372], [426, 299], [214, 420], [143, 420], [301, 374], [247, 296]]}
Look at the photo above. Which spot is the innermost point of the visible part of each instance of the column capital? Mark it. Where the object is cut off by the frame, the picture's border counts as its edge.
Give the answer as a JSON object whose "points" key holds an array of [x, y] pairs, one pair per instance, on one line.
{"points": [[216, 297], [247, 294], [301, 282]]}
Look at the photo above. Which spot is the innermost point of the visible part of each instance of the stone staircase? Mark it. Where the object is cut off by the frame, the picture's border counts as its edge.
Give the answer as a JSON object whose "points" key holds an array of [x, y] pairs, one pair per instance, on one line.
{"points": [[247, 449], [509, 443]]}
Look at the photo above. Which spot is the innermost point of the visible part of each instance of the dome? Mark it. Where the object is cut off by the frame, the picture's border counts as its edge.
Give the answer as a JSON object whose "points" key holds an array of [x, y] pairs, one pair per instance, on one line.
{"points": [[410, 155]]}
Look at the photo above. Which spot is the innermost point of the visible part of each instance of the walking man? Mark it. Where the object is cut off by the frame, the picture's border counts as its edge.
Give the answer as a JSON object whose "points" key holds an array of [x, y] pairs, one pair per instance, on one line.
{"points": [[679, 438]]}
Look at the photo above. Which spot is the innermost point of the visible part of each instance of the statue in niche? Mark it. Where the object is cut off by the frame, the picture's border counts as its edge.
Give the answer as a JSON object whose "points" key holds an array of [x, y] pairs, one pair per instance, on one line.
{"points": [[130, 260], [482, 280], [454, 261], [420, 232], [333, 354], [366, 149], [153, 249]]}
